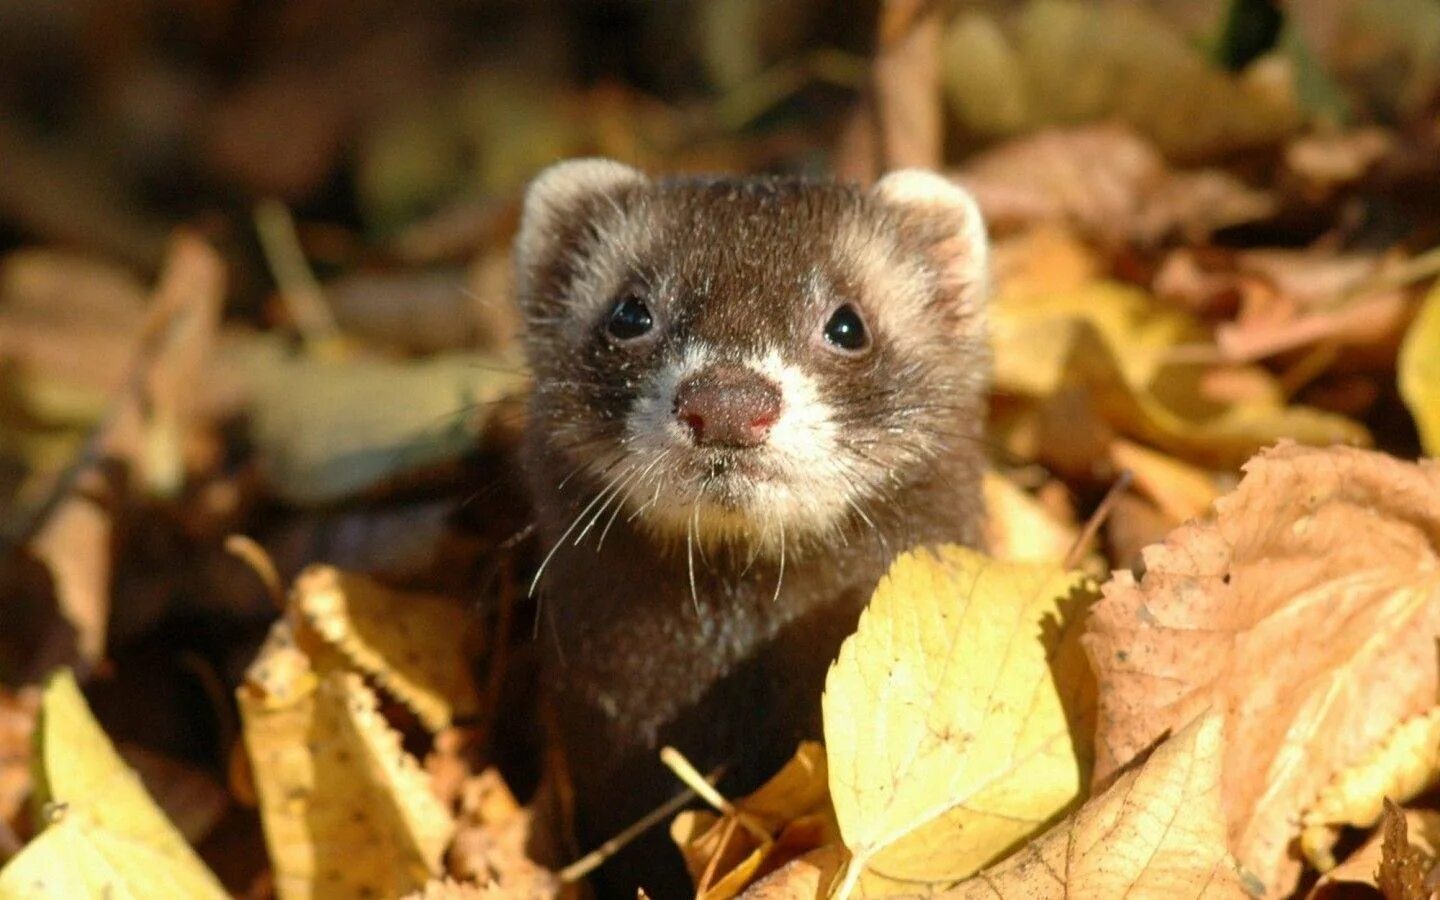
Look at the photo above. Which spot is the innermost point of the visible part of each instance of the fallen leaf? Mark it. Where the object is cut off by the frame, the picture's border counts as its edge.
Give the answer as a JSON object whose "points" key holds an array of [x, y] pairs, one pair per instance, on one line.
{"points": [[1418, 371], [1334, 551], [1406, 763], [102, 834], [493, 840], [1324, 162], [408, 642], [1059, 61], [1019, 528], [18, 710], [1360, 869], [1109, 185], [1157, 832], [1179, 489], [1404, 868], [325, 430], [792, 808], [807, 878], [345, 808], [959, 704], [1113, 347]]}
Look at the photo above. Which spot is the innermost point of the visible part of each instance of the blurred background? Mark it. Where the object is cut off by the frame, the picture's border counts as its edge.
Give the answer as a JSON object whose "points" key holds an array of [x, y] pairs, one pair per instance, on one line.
{"points": [[254, 281]]}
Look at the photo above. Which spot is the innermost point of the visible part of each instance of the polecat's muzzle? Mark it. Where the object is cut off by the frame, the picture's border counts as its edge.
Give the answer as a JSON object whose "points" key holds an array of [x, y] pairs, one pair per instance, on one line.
{"points": [[728, 406]]}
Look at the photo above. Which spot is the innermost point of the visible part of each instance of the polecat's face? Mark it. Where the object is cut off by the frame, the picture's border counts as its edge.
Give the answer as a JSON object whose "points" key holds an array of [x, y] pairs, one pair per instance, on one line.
{"points": [[763, 361]]}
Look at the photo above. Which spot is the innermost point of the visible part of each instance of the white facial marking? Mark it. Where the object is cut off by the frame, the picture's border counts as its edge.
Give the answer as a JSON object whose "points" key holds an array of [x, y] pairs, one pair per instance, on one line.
{"points": [[797, 492]]}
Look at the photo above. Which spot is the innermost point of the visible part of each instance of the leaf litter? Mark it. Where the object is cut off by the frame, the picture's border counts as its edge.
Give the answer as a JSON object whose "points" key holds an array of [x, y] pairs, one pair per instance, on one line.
{"points": [[1214, 286]]}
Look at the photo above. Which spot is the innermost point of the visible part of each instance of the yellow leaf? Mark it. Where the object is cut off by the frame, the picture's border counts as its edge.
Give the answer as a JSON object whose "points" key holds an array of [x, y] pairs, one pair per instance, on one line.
{"points": [[1403, 766], [1419, 372], [954, 710], [1157, 832], [104, 836], [1179, 489], [792, 807], [410, 643], [1019, 528], [1114, 344], [346, 810]]}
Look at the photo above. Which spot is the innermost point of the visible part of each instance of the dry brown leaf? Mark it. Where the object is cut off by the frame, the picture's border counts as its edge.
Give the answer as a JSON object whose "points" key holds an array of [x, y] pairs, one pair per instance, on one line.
{"points": [[1404, 868], [1405, 764], [492, 841], [723, 854], [346, 810], [1057, 62], [450, 889], [410, 643], [1359, 871], [1157, 832], [326, 430], [18, 710], [144, 430], [1323, 162], [1043, 259], [906, 85], [1305, 613], [808, 878], [1109, 185]]}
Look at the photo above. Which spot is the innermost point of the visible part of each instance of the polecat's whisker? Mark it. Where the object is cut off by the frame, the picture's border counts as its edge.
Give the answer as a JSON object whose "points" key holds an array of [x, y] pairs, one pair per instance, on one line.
{"points": [[690, 555], [535, 582], [626, 499], [780, 576], [616, 486]]}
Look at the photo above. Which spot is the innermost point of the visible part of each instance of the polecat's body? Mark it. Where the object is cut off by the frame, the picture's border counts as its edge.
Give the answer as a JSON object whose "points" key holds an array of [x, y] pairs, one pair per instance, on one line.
{"points": [[749, 396]]}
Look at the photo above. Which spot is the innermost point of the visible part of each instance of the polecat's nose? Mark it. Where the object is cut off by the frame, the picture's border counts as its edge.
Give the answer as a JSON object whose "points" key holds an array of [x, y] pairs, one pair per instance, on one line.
{"points": [[727, 406]]}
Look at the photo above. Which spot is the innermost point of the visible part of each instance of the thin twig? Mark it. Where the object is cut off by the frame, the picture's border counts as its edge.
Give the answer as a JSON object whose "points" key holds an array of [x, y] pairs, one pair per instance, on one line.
{"points": [[687, 773], [592, 860], [1097, 518], [299, 289]]}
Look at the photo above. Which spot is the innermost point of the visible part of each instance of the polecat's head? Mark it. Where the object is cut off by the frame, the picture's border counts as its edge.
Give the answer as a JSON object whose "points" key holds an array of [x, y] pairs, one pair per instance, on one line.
{"points": [[761, 360]]}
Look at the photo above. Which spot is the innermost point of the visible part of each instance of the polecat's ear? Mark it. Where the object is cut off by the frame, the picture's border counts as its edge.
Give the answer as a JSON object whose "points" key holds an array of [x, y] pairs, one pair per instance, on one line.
{"points": [[557, 196], [946, 222]]}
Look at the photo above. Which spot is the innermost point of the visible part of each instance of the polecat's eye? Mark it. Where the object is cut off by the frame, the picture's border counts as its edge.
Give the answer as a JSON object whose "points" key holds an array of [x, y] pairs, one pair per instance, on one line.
{"points": [[845, 331], [630, 319]]}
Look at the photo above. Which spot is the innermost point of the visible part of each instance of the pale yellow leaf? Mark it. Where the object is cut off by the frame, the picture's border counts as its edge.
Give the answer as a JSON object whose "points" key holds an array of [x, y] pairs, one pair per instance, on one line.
{"points": [[1157, 832], [1406, 763], [410, 643], [345, 809], [1418, 370], [103, 836], [1179, 489], [956, 708], [1018, 528]]}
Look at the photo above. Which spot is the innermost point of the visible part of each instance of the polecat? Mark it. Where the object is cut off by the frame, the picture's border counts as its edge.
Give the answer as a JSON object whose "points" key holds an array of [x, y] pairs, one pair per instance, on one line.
{"points": [[749, 395]]}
